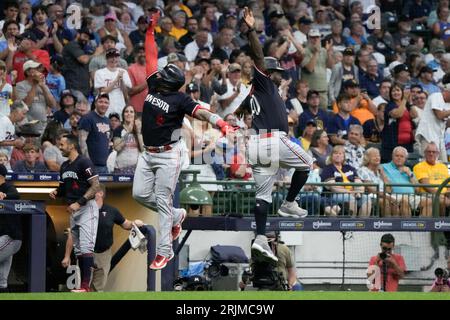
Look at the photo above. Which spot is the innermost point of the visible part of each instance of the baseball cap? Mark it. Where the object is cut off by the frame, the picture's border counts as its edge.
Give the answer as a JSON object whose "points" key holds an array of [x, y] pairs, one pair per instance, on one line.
{"points": [[426, 69], [114, 115], [351, 83], [31, 64], [438, 49], [305, 20], [314, 33], [276, 13], [234, 67], [311, 122], [27, 35], [68, 93], [173, 56], [110, 16], [86, 31], [112, 52], [102, 95], [311, 93], [401, 67], [142, 19], [348, 51], [3, 170], [192, 87]]}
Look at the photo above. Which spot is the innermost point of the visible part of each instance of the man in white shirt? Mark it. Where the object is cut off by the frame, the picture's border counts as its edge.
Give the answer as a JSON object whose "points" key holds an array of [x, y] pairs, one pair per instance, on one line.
{"points": [[202, 39], [236, 91], [114, 81], [8, 140], [432, 125]]}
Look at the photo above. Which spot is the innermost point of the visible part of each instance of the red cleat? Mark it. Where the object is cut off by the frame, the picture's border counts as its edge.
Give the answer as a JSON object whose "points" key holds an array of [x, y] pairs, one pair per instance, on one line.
{"points": [[176, 229], [159, 263]]}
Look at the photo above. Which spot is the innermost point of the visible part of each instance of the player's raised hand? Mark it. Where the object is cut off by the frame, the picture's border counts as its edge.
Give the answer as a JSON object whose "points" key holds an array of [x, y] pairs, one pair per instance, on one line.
{"points": [[154, 17], [53, 194], [248, 17]]}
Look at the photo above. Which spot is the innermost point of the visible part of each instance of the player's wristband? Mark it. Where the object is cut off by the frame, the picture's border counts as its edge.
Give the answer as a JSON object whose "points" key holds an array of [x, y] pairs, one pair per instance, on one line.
{"points": [[82, 201], [217, 121]]}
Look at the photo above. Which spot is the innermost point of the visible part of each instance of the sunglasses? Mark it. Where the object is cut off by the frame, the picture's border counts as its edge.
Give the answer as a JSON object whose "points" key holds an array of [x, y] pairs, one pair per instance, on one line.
{"points": [[386, 249]]}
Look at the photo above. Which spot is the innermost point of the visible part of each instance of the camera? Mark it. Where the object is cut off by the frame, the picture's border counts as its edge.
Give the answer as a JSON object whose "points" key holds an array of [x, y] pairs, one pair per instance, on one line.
{"points": [[441, 273], [192, 283], [383, 255]]}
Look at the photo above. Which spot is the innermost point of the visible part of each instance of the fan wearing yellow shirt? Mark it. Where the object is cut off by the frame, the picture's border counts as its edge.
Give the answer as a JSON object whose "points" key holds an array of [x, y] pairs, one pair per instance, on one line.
{"points": [[430, 171]]}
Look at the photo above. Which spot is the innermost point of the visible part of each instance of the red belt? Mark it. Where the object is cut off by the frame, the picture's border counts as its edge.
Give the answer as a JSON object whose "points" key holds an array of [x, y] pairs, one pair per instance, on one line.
{"points": [[160, 149], [266, 135]]}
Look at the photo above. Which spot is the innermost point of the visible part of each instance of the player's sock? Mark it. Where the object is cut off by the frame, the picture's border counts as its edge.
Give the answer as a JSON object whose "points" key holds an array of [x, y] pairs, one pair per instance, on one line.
{"points": [[261, 209], [86, 269], [298, 181]]}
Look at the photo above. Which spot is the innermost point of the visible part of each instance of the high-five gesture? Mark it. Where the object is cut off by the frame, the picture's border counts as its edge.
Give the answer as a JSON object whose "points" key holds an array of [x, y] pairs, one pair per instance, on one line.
{"points": [[248, 17]]}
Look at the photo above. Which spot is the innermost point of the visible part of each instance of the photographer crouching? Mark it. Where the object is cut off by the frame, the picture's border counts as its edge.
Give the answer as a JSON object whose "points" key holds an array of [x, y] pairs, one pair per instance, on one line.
{"points": [[279, 276], [442, 281], [386, 268]]}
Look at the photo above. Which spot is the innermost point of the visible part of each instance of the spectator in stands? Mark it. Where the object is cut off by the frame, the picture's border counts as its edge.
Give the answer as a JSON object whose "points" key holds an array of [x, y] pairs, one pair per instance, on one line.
{"points": [[297, 104], [431, 172], [395, 264], [10, 231], [403, 37], [372, 172], [67, 106], [343, 71], [361, 106], [398, 125], [320, 147], [31, 164], [128, 142], [107, 218], [54, 80], [114, 121], [340, 123], [239, 167], [98, 60], [76, 61], [354, 150], [308, 132], [385, 87], [402, 76], [35, 93], [25, 51], [236, 91], [313, 112], [373, 127], [95, 135], [338, 172], [370, 80], [4, 160], [113, 81], [224, 45], [137, 37], [434, 118], [8, 138], [11, 13], [315, 63], [82, 107], [201, 41], [382, 41], [53, 157], [6, 91], [136, 72], [336, 38], [426, 80], [110, 28], [192, 28], [73, 121], [126, 23], [441, 27], [8, 40], [397, 172], [357, 35]]}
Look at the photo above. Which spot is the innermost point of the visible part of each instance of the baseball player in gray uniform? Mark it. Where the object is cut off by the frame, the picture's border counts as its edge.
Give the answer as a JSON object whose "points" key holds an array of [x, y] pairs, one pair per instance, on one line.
{"points": [[158, 167], [79, 184]]}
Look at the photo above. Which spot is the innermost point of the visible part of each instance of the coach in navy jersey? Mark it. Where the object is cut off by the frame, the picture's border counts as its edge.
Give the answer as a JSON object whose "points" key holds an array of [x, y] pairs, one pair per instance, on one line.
{"points": [[78, 185], [269, 145], [159, 165]]}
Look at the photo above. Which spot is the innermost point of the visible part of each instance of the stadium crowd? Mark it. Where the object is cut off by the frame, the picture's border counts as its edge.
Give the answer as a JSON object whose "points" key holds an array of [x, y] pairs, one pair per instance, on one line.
{"points": [[365, 90]]}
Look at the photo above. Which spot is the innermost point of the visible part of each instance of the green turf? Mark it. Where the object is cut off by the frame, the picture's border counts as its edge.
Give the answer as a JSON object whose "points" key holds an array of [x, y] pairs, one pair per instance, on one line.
{"points": [[228, 295]]}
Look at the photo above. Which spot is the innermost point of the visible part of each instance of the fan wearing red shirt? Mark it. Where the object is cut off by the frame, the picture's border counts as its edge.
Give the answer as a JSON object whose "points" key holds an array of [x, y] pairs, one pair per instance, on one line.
{"points": [[26, 50]]}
